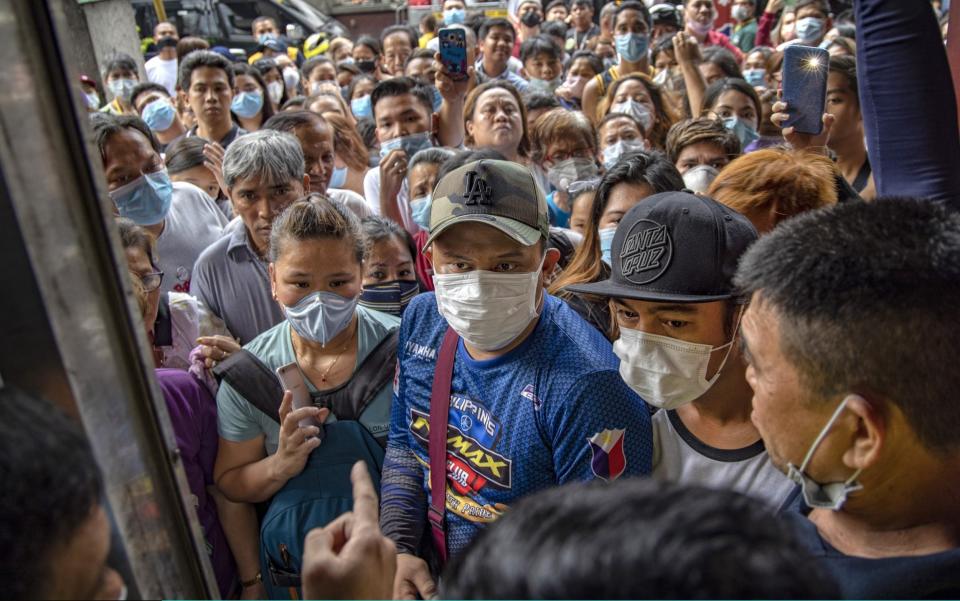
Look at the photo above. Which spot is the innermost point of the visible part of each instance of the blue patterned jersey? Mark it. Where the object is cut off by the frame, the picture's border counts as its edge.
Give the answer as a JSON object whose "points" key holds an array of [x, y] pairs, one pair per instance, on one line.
{"points": [[553, 410]]}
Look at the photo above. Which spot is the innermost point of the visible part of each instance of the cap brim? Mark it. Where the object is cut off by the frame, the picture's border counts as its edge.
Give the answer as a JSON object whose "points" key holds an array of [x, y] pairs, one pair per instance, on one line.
{"points": [[615, 290], [522, 233]]}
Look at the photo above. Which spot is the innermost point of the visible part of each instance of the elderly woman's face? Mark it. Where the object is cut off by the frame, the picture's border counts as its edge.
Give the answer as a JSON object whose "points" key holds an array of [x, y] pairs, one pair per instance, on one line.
{"points": [[496, 121], [140, 266], [315, 265]]}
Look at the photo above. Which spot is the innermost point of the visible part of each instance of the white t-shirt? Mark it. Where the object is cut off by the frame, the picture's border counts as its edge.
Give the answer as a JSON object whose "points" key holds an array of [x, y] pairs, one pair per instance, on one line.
{"points": [[371, 190], [679, 456], [163, 72], [193, 223]]}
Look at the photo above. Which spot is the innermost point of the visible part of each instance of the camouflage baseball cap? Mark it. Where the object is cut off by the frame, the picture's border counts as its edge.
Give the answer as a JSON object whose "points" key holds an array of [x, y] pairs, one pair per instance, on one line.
{"points": [[501, 194]]}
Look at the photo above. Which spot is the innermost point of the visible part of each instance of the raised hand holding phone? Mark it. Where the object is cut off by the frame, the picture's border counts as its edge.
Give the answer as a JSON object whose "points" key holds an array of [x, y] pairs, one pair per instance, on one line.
{"points": [[292, 380]]}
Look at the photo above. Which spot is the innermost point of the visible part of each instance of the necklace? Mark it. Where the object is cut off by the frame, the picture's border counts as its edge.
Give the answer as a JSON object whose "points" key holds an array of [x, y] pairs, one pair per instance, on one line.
{"points": [[323, 376]]}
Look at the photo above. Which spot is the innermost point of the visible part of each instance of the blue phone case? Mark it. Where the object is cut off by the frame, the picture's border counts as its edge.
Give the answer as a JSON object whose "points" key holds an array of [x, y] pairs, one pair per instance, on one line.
{"points": [[805, 87], [453, 52]]}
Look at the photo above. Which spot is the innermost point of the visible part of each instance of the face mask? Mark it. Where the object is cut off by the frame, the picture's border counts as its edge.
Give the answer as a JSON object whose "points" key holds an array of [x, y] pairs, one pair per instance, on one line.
{"points": [[121, 88], [743, 130], [367, 66], [609, 62], [166, 42], [666, 372], [263, 38], [488, 309], [575, 83], [320, 316], [826, 496], [159, 114], [661, 78], [756, 77], [631, 47], [545, 86], [698, 179], [92, 99], [361, 107], [809, 29], [247, 105], [612, 153], [636, 110], [146, 200], [701, 28], [531, 18], [346, 61], [606, 241], [291, 77], [339, 177], [564, 173], [389, 297], [420, 208], [454, 16], [275, 90], [740, 12], [411, 144]]}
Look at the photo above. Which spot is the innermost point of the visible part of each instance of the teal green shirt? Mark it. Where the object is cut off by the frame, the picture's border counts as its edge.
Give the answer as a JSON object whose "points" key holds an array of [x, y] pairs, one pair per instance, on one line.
{"points": [[744, 35], [239, 421]]}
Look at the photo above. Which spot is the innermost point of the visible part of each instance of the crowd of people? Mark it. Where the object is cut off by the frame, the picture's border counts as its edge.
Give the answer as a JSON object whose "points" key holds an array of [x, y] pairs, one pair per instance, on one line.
{"points": [[589, 320]]}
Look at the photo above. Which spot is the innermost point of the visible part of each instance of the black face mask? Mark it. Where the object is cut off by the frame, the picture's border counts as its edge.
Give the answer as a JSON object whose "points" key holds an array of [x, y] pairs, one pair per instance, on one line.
{"points": [[167, 42], [366, 66], [531, 18]]}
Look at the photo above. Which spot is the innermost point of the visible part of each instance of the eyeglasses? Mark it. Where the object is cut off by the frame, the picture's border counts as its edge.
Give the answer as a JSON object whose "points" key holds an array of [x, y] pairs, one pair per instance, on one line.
{"points": [[151, 281]]}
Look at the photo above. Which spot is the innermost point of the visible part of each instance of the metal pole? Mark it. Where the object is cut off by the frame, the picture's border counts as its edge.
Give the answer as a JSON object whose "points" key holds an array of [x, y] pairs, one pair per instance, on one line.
{"points": [[49, 184]]}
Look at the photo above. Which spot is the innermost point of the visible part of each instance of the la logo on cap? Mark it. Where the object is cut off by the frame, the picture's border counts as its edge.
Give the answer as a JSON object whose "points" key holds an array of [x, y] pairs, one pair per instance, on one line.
{"points": [[478, 191], [646, 252]]}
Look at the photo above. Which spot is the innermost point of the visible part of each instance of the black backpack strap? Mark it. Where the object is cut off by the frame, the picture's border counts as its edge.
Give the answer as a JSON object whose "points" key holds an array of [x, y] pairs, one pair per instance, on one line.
{"points": [[163, 325], [253, 380], [349, 401]]}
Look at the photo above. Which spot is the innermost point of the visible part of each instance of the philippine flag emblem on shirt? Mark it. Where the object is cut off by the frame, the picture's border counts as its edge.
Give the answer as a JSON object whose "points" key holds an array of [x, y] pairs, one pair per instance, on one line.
{"points": [[609, 461]]}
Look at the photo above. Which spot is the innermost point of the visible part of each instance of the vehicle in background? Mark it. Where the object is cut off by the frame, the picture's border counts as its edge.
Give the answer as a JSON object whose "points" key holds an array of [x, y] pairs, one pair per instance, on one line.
{"points": [[228, 22]]}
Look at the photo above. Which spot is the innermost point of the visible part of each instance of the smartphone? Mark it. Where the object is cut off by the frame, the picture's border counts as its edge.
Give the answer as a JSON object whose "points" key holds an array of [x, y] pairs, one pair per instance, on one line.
{"points": [[453, 52], [805, 87], [291, 379]]}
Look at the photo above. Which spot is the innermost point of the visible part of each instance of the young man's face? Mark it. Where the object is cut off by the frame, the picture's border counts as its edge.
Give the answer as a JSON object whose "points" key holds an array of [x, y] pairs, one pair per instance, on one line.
{"points": [[401, 115], [843, 104], [630, 21], [165, 30], [422, 69], [701, 12], [582, 14], [498, 45], [702, 153], [557, 13], [210, 95], [700, 323], [396, 51], [543, 66], [267, 26]]}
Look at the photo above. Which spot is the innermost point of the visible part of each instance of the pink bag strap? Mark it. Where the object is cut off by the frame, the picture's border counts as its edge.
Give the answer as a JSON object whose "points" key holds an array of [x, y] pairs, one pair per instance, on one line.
{"points": [[439, 413]]}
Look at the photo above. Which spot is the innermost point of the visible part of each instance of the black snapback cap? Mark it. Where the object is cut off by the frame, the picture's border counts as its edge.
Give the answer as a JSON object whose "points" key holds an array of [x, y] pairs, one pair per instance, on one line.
{"points": [[675, 247]]}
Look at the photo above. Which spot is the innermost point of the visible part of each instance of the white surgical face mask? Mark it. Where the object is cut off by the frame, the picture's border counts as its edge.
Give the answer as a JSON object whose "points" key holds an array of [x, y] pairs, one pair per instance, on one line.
{"points": [[698, 179], [488, 309], [831, 495], [612, 153], [666, 372], [320, 316], [275, 90], [638, 111]]}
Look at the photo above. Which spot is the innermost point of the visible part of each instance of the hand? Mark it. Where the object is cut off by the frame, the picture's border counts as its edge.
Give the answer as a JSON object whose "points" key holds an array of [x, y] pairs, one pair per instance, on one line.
{"points": [[256, 591], [413, 578], [349, 558], [797, 140], [213, 153], [216, 348], [686, 49], [773, 7], [393, 168], [295, 443], [453, 91]]}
